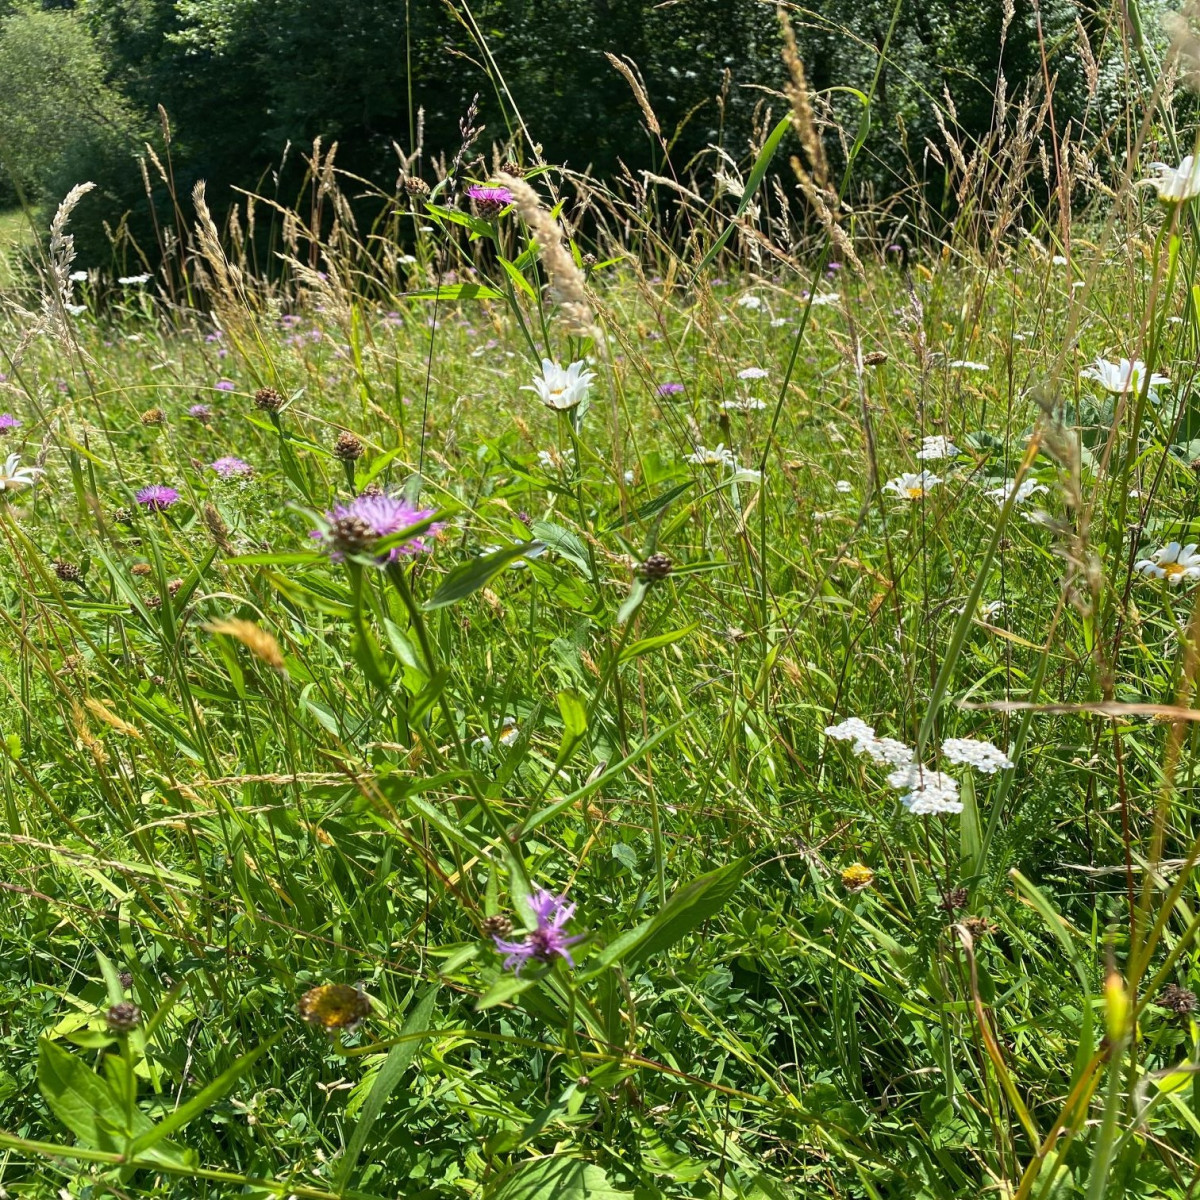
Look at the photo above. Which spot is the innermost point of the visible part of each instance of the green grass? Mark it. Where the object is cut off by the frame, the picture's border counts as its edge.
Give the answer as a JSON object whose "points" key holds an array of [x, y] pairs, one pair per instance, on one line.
{"points": [[233, 818], [14, 236]]}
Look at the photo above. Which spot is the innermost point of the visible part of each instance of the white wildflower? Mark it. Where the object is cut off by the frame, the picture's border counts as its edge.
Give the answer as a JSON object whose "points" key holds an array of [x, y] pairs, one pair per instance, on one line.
{"points": [[824, 298], [937, 447], [752, 373], [1028, 488], [744, 404], [929, 792], [965, 364], [751, 302], [981, 755], [133, 280], [1175, 184], [559, 388], [1122, 376], [911, 486], [719, 456], [13, 476], [1172, 562], [843, 486]]}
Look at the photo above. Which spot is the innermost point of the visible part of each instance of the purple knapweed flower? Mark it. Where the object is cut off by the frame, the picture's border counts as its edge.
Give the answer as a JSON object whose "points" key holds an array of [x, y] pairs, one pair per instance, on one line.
{"points": [[354, 528], [670, 389], [490, 201], [202, 412], [157, 498], [8, 421], [225, 385], [548, 940], [232, 468]]}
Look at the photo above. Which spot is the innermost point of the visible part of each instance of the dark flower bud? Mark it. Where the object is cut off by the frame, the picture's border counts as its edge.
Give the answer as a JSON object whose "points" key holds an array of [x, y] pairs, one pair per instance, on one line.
{"points": [[497, 926], [153, 416], [351, 535], [1177, 999], [126, 978], [416, 187], [875, 358], [68, 572], [955, 898], [347, 447], [268, 399], [657, 566], [123, 1018]]}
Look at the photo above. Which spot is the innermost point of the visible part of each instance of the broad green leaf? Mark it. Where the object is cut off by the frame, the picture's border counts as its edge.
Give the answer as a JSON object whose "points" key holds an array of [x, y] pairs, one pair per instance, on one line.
{"points": [[686, 908], [470, 576], [554, 1179], [638, 591], [574, 715], [564, 542], [80, 1099], [390, 1074], [506, 988]]}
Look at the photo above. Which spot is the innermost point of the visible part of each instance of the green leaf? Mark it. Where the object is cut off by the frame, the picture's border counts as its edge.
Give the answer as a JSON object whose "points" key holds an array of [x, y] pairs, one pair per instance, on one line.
{"points": [[686, 908], [564, 542], [203, 1099], [506, 988], [554, 1179], [80, 1099], [761, 163], [645, 645], [470, 576], [969, 829], [390, 1074], [574, 715], [515, 275], [638, 591], [457, 291]]}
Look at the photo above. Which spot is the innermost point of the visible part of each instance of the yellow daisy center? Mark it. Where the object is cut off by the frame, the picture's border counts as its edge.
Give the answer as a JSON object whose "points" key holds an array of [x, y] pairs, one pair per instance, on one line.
{"points": [[1172, 569], [915, 493]]}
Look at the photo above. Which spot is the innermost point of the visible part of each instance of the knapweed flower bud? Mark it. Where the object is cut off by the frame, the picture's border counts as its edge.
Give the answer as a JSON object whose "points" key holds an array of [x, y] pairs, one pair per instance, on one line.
{"points": [[497, 926], [1178, 1000], [68, 572], [123, 1018], [268, 399], [955, 898], [876, 358], [351, 535], [657, 566], [416, 187], [153, 416], [857, 878], [347, 447]]}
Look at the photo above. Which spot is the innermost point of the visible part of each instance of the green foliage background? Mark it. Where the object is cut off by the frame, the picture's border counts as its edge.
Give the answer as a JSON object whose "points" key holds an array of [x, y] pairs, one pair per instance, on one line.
{"points": [[243, 80]]}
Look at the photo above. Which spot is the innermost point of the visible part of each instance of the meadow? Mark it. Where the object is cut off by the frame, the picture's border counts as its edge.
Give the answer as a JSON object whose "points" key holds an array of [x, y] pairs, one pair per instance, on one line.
{"points": [[682, 713]]}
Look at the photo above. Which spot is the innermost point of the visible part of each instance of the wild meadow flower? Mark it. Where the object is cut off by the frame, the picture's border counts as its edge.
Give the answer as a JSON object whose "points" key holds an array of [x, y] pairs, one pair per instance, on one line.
{"points": [[965, 364], [509, 732], [556, 460], [910, 486], [669, 389], [852, 729], [8, 421], [1122, 376], [561, 389], [752, 373], [1175, 184], [548, 940], [927, 792], [821, 299], [844, 486], [232, 468], [158, 497], [490, 200], [719, 456], [977, 753], [887, 751], [354, 528], [1029, 487], [744, 404], [937, 447], [200, 412], [133, 280], [750, 301], [225, 385], [13, 476], [1171, 562]]}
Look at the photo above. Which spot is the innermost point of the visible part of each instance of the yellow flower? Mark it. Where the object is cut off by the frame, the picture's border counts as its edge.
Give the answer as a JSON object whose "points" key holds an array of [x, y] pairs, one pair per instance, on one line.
{"points": [[856, 877]]}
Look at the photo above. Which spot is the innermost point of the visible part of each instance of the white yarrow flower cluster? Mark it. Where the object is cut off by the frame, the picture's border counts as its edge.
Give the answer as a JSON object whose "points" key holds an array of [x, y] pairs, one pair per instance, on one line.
{"points": [[744, 404], [752, 373], [972, 752], [937, 447], [888, 751], [927, 792], [965, 364]]}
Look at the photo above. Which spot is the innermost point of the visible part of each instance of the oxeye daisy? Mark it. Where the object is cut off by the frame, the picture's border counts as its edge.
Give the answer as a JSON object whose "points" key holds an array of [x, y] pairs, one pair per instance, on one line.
{"points": [[157, 497], [910, 486], [1171, 562], [561, 388], [548, 939], [1122, 376], [719, 456], [1175, 184], [13, 476], [1028, 487]]}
